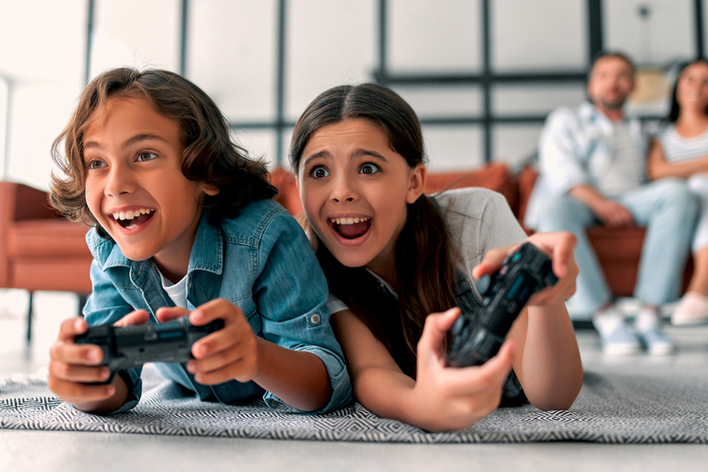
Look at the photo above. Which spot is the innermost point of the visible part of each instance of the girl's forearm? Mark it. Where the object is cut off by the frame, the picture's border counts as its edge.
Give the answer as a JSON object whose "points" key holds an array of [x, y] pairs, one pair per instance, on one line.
{"points": [[298, 378], [552, 372], [385, 392]]}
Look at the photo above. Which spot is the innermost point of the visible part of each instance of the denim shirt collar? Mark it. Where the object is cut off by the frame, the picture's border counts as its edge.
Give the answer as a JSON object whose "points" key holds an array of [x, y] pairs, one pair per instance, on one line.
{"points": [[207, 255]]}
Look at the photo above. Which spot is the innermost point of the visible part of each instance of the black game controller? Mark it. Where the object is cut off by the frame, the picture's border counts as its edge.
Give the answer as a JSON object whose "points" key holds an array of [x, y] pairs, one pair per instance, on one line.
{"points": [[132, 346], [477, 337]]}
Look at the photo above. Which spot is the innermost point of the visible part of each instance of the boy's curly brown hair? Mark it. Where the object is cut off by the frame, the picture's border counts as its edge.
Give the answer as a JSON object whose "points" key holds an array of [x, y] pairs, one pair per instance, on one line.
{"points": [[210, 156]]}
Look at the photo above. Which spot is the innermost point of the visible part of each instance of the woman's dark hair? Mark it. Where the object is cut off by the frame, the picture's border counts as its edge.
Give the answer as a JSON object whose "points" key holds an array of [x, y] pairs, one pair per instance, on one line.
{"points": [[673, 115], [425, 258], [209, 156]]}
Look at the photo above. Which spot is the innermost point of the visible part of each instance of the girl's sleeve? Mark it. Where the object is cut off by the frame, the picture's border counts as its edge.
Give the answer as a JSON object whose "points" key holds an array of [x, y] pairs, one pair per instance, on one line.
{"points": [[105, 305], [291, 297]]}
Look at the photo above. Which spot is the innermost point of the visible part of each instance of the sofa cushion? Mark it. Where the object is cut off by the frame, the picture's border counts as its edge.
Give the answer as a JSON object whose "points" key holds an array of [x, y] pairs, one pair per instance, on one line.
{"points": [[492, 176], [47, 238], [288, 196]]}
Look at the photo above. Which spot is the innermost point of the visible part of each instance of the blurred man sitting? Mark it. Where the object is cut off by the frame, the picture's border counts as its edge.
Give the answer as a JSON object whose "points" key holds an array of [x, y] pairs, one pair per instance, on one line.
{"points": [[593, 171]]}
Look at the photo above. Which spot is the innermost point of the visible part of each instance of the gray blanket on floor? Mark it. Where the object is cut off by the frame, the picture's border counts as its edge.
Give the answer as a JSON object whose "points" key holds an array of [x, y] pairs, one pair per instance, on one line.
{"points": [[613, 407]]}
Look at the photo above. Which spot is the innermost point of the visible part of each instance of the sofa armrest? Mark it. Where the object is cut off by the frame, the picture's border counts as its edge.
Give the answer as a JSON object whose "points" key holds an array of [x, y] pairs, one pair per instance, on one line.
{"points": [[21, 202]]}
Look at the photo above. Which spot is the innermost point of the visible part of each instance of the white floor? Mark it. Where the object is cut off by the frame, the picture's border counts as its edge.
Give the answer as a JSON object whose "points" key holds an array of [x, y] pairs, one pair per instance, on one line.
{"points": [[67, 451]]}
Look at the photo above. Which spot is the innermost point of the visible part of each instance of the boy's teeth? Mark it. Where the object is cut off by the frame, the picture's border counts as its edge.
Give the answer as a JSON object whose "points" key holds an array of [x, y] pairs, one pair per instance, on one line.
{"points": [[130, 214]]}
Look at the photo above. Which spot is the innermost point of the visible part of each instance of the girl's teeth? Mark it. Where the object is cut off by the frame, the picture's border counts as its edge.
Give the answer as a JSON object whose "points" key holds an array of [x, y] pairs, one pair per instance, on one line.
{"points": [[348, 221]]}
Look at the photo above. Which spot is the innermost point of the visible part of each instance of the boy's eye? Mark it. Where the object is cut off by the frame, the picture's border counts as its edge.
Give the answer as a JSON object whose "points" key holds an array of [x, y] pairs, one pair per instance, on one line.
{"points": [[319, 172], [146, 156], [369, 168], [94, 164]]}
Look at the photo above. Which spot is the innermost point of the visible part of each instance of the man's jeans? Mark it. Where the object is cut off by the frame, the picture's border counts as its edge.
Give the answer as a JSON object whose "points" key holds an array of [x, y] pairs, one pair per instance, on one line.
{"points": [[668, 210]]}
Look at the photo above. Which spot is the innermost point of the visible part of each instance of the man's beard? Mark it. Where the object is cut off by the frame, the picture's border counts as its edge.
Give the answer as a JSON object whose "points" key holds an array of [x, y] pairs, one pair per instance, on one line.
{"points": [[613, 105]]}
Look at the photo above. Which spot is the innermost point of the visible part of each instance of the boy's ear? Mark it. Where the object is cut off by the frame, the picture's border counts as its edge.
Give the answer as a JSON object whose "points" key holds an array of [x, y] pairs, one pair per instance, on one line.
{"points": [[416, 183], [210, 190]]}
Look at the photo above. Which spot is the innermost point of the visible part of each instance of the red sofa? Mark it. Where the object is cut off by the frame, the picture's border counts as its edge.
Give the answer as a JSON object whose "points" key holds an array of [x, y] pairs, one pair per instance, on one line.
{"points": [[41, 251]]}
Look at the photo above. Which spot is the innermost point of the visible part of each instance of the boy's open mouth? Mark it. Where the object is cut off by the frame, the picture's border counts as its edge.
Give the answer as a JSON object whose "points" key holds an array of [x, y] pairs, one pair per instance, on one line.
{"points": [[133, 218], [350, 228]]}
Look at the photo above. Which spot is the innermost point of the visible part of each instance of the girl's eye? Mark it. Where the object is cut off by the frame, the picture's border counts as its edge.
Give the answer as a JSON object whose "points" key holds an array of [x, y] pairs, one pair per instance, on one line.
{"points": [[319, 172], [369, 168], [146, 156]]}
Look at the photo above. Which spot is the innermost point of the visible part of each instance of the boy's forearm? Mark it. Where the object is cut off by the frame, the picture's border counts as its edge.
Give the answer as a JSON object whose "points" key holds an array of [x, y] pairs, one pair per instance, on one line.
{"points": [[551, 371], [299, 378]]}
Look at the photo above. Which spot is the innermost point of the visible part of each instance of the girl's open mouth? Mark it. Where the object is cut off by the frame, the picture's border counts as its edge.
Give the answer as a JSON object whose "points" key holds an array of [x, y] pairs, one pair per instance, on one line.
{"points": [[350, 228], [133, 218]]}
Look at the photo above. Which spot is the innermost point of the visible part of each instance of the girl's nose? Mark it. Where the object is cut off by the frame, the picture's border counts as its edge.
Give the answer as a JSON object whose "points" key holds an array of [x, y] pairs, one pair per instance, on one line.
{"points": [[343, 191]]}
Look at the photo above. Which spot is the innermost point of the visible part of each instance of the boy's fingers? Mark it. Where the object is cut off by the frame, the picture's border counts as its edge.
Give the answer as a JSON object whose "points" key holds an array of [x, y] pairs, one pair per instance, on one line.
{"points": [[75, 392], [170, 313], [69, 328], [137, 317], [84, 354], [79, 373], [218, 308]]}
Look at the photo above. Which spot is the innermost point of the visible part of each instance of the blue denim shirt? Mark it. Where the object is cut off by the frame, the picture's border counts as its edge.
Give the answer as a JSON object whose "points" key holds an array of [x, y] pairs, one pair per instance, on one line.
{"points": [[261, 262]]}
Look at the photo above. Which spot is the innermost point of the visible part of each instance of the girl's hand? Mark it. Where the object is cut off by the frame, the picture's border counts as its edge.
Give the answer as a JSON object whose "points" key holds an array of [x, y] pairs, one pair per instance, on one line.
{"points": [[452, 397], [73, 367], [230, 353], [559, 247]]}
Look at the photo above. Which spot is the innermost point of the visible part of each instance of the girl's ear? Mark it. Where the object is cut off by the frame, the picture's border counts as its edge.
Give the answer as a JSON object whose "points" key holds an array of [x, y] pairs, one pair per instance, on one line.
{"points": [[416, 183], [210, 190]]}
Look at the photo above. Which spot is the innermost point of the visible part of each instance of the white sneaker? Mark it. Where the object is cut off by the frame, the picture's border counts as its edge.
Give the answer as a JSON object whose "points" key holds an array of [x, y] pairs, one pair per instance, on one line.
{"points": [[656, 342], [691, 310], [620, 342]]}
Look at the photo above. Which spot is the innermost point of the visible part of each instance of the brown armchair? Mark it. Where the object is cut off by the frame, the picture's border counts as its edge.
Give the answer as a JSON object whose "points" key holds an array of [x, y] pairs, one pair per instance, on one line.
{"points": [[39, 250]]}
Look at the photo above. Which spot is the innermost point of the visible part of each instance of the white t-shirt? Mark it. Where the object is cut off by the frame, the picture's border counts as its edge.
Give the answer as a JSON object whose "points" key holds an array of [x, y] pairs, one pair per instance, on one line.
{"points": [[627, 169], [677, 148], [478, 220], [177, 292]]}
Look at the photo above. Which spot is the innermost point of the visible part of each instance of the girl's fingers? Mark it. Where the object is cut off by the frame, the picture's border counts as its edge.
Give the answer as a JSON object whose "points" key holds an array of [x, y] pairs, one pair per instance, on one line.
{"points": [[434, 330], [477, 379], [492, 261]]}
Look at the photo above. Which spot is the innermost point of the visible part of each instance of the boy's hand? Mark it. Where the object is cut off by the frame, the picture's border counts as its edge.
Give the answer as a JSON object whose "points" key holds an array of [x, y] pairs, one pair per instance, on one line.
{"points": [[451, 397], [559, 247], [73, 367], [230, 353]]}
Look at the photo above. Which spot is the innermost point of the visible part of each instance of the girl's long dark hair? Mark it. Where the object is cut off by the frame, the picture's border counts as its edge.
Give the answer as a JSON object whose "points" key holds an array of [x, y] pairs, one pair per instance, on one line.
{"points": [[673, 115], [425, 256]]}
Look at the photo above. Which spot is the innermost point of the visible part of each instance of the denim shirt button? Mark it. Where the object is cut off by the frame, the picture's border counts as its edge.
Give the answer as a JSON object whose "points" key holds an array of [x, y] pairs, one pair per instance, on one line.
{"points": [[315, 319]]}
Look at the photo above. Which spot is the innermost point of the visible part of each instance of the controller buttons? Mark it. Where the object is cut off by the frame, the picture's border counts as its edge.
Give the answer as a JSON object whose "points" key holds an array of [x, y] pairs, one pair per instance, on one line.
{"points": [[483, 284], [315, 319]]}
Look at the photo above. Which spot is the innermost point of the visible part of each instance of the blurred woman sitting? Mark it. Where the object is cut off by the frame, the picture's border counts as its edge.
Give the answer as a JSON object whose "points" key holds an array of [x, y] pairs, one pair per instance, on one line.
{"points": [[681, 150]]}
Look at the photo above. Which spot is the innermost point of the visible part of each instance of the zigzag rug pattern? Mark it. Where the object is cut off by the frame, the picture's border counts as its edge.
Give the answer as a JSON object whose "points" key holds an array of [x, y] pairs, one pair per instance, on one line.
{"points": [[612, 408]]}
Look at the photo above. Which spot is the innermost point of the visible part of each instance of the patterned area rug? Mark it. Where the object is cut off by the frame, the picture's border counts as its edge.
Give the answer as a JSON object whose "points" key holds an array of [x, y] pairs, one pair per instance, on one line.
{"points": [[611, 408]]}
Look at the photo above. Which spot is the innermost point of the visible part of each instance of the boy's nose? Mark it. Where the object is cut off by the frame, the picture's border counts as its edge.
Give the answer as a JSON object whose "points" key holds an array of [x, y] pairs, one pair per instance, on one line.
{"points": [[119, 182]]}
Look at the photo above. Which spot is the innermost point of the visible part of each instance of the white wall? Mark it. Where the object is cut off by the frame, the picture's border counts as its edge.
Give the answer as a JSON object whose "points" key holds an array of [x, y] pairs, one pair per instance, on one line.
{"points": [[232, 56]]}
